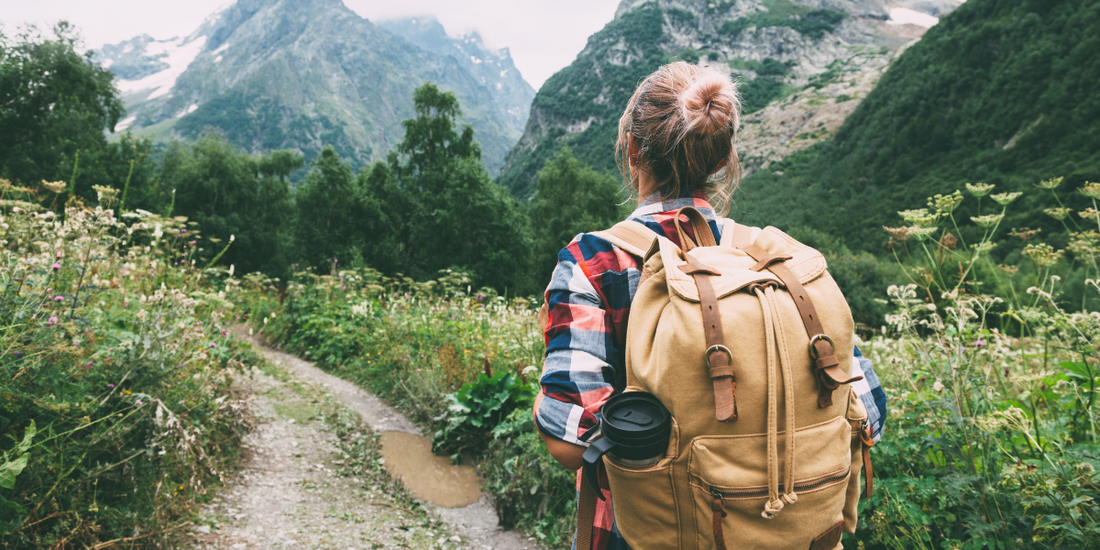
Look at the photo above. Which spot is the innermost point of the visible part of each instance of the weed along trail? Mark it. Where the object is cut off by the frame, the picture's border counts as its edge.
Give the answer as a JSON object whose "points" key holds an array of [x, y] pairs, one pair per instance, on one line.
{"points": [[306, 453]]}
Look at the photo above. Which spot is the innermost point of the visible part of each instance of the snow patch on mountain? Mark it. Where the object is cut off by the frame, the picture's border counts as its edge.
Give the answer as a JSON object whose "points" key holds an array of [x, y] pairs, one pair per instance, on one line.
{"points": [[906, 16], [177, 54]]}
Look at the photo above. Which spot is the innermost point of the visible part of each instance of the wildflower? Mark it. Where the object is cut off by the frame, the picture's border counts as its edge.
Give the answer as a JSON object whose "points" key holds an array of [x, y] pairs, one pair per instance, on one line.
{"points": [[56, 266], [1025, 233], [921, 233], [139, 402], [112, 386], [979, 343], [983, 248], [979, 189], [157, 233], [232, 268], [987, 221], [1004, 199], [931, 307], [232, 238], [937, 386], [1049, 184], [919, 217], [1042, 254], [213, 345], [52, 320], [56, 187], [88, 364], [945, 204], [1057, 213], [58, 298], [1091, 190]]}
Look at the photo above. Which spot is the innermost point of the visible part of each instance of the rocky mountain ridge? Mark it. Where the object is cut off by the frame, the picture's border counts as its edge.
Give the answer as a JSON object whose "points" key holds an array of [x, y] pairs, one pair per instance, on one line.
{"points": [[303, 74], [802, 66]]}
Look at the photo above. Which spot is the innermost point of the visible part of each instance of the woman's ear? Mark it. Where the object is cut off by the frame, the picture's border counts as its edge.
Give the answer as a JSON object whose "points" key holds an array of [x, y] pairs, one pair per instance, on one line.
{"points": [[720, 166]]}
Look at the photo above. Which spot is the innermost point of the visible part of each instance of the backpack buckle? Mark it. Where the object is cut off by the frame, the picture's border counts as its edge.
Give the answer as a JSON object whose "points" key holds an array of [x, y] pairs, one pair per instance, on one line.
{"points": [[814, 340], [723, 349]]}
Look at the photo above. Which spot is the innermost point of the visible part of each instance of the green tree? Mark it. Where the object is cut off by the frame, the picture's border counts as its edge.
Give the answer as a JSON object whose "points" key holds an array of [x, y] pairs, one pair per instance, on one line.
{"points": [[56, 104], [431, 204], [570, 199], [330, 215], [222, 189]]}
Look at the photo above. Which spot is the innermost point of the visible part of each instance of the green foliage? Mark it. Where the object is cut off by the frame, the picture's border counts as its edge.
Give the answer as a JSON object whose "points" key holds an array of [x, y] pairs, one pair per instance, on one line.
{"points": [[477, 409], [531, 491], [784, 13], [572, 96], [571, 199], [117, 370], [57, 106], [1000, 91], [431, 205], [232, 194], [331, 220]]}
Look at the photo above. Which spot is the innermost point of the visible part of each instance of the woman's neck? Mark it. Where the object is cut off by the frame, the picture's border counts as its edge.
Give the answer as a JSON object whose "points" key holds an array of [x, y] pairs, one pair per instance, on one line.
{"points": [[646, 185]]}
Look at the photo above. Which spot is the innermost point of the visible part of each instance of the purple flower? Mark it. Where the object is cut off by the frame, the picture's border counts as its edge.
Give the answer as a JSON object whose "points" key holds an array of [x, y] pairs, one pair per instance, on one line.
{"points": [[138, 401], [52, 320], [112, 386], [213, 345], [58, 298], [56, 266], [184, 230], [18, 354], [979, 343], [89, 363]]}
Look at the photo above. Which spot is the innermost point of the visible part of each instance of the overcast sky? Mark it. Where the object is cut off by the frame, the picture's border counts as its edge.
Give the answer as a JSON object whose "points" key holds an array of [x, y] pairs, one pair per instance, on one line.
{"points": [[543, 35]]}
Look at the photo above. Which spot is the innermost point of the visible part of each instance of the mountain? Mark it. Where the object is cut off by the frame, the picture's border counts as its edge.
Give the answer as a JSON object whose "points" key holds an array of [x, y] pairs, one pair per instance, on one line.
{"points": [[1001, 91], [302, 74], [812, 61]]}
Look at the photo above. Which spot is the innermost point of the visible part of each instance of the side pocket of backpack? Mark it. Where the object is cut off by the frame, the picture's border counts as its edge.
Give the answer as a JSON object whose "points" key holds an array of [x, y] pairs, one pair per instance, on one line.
{"points": [[857, 417], [645, 501]]}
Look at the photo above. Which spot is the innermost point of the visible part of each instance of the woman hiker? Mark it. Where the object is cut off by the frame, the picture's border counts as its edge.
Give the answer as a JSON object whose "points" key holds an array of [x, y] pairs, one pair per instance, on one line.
{"points": [[675, 149]]}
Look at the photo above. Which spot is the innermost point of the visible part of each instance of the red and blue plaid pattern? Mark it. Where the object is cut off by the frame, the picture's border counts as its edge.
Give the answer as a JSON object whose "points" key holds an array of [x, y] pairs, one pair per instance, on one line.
{"points": [[589, 302]]}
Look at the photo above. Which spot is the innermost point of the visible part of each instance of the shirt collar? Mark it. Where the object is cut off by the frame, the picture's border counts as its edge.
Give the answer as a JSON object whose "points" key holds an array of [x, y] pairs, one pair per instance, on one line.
{"points": [[655, 205]]}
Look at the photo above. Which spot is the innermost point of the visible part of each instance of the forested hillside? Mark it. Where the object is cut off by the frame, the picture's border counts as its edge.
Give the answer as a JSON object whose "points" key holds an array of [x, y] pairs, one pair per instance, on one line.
{"points": [[828, 55], [1001, 91]]}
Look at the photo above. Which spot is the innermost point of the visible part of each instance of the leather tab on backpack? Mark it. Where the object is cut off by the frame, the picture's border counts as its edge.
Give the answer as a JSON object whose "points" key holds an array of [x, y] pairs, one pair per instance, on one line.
{"points": [[868, 472], [829, 539], [719, 509]]}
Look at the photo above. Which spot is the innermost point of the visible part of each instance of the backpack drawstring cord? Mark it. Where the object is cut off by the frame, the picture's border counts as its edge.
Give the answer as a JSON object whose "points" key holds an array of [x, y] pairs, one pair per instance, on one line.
{"points": [[777, 352]]}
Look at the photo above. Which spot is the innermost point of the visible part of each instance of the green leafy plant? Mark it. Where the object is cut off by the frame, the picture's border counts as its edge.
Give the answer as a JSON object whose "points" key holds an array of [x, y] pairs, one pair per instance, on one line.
{"points": [[479, 407]]}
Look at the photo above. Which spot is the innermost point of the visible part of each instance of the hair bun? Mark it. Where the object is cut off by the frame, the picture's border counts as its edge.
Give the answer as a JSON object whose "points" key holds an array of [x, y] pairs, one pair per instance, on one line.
{"points": [[709, 105]]}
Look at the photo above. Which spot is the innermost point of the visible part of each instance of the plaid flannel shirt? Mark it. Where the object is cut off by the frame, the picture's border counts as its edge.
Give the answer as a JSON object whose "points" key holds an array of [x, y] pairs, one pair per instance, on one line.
{"points": [[588, 301]]}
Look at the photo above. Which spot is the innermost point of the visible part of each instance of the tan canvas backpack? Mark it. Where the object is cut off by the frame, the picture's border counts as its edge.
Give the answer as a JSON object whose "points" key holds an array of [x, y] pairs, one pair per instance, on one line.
{"points": [[745, 342]]}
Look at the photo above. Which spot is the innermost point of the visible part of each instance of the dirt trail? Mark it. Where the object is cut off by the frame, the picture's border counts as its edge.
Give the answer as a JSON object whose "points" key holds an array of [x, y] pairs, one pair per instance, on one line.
{"points": [[288, 495]]}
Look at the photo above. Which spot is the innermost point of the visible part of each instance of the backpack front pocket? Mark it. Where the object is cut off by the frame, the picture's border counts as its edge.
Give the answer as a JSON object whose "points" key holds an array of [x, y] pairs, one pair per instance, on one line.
{"points": [[729, 480], [645, 501]]}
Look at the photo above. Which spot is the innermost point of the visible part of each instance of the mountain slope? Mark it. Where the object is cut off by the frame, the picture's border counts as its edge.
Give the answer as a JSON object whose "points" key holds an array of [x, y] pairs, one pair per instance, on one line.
{"points": [[304, 73], [828, 53], [1002, 91]]}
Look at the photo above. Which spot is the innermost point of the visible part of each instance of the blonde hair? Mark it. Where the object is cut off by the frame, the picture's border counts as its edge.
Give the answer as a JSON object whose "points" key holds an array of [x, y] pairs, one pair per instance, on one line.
{"points": [[684, 119]]}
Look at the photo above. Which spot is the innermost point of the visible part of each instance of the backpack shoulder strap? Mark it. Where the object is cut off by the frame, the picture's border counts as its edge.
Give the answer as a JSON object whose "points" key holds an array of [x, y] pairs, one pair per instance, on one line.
{"points": [[630, 236], [735, 234]]}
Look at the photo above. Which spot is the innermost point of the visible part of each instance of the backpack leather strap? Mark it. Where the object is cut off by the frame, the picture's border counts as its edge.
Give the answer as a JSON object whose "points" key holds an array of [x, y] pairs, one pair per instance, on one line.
{"points": [[586, 513], [718, 356], [826, 365]]}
